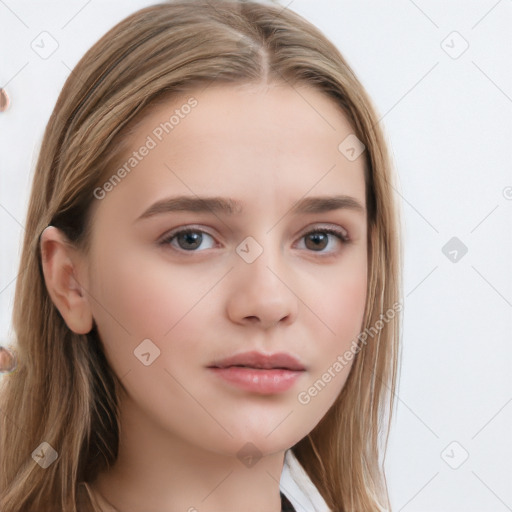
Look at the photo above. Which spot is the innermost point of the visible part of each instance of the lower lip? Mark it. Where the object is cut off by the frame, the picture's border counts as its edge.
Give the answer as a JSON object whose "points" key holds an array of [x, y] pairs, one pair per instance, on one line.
{"points": [[259, 380]]}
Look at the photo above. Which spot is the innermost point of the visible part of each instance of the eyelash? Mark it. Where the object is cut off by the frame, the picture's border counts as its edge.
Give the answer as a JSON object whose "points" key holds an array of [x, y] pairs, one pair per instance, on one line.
{"points": [[338, 233]]}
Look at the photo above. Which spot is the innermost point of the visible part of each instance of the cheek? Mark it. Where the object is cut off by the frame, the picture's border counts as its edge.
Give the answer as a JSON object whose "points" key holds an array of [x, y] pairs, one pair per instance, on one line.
{"points": [[341, 301], [341, 310], [139, 298], [344, 316], [347, 309]]}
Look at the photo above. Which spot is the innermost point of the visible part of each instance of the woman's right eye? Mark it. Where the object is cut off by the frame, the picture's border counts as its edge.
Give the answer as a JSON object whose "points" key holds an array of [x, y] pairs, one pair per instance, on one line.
{"points": [[187, 239]]}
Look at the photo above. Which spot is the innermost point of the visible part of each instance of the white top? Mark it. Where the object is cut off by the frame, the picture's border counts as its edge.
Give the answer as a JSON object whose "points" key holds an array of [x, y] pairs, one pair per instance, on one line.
{"points": [[296, 485]]}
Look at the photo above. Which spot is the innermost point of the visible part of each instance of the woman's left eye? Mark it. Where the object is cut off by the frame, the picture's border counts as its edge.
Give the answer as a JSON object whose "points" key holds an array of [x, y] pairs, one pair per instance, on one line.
{"points": [[319, 238], [191, 239]]}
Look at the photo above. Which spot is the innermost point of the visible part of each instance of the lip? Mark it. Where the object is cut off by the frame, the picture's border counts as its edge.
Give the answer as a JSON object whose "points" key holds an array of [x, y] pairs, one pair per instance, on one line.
{"points": [[263, 382], [259, 373], [279, 360]]}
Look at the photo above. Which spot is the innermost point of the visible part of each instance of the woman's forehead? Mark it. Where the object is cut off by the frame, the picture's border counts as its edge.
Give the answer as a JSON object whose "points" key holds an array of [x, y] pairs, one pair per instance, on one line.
{"points": [[259, 145]]}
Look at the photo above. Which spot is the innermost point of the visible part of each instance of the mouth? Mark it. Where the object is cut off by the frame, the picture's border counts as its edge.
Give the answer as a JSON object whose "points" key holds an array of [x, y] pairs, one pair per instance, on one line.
{"points": [[259, 361], [262, 381], [257, 373], [253, 367]]}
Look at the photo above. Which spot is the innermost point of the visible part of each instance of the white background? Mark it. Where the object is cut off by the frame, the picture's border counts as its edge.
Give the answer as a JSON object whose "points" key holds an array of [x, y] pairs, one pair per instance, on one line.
{"points": [[448, 119]]}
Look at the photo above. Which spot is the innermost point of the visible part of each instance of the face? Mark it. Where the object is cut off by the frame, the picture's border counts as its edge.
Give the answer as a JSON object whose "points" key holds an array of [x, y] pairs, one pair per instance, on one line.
{"points": [[267, 276]]}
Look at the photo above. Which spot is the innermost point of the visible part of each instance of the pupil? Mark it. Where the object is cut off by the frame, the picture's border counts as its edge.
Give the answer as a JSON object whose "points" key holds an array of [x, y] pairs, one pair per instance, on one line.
{"points": [[317, 237], [191, 238]]}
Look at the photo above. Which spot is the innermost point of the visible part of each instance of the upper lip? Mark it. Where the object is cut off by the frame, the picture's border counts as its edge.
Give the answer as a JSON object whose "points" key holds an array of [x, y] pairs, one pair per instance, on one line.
{"points": [[259, 360]]}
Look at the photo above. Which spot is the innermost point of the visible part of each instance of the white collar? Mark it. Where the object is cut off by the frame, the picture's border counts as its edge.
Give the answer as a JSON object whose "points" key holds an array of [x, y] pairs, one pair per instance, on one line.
{"points": [[296, 485]]}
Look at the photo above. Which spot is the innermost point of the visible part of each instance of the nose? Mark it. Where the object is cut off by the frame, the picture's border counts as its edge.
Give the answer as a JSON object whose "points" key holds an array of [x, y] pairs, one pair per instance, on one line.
{"points": [[261, 292]]}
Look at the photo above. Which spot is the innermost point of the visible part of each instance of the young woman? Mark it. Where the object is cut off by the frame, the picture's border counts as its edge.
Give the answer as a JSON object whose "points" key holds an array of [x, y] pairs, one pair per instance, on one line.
{"points": [[207, 310]]}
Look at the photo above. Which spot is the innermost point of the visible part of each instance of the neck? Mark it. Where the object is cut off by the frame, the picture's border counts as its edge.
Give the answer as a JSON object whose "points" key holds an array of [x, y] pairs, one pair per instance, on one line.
{"points": [[156, 472]]}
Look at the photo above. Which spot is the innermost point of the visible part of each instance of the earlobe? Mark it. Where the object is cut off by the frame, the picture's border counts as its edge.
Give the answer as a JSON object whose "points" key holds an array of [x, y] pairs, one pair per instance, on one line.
{"points": [[59, 261]]}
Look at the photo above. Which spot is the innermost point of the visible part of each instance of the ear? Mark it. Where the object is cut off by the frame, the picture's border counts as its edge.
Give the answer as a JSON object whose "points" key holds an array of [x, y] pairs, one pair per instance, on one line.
{"points": [[60, 262]]}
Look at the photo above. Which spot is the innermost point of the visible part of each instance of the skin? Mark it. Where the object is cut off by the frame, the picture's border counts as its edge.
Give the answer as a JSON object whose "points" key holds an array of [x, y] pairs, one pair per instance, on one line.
{"points": [[182, 426]]}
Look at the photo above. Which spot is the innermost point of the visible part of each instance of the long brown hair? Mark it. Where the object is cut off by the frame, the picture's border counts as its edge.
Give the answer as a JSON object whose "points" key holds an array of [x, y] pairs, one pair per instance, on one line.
{"points": [[64, 392]]}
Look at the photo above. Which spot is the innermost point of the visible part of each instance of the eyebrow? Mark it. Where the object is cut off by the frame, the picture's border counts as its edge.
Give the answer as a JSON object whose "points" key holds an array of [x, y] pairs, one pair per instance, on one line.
{"points": [[228, 206]]}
